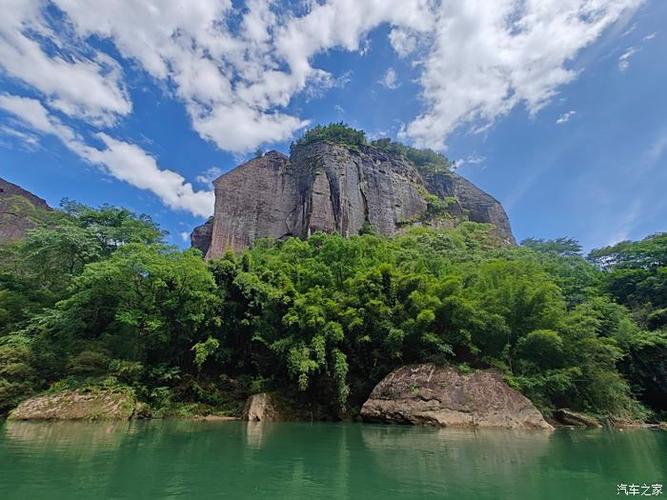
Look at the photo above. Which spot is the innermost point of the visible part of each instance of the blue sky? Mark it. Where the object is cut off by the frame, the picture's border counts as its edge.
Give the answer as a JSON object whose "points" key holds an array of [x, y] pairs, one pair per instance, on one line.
{"points": [[557, 108]]}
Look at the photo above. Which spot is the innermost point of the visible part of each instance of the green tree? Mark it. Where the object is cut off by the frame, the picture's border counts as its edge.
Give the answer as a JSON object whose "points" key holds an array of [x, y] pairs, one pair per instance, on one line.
{"points": [[144, 303], [337, 133], [635, 275], [37, 271]]}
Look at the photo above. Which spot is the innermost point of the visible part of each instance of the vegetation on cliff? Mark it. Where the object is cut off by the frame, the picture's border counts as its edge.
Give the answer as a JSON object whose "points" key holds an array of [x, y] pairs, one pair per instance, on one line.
{"points": [[425, 160], [96, 297], [337, 133]]}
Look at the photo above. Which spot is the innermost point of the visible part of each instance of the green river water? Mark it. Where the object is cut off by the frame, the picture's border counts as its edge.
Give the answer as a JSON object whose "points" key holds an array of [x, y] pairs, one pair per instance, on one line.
{"points": [[186, 459]]}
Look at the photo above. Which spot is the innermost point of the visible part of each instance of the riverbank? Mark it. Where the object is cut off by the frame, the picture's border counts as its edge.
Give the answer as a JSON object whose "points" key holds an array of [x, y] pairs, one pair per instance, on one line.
{"points": [[425, 394]]}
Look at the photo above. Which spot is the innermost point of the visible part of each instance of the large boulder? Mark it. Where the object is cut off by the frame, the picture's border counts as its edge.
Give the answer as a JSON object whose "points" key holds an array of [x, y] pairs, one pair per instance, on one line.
{"points": [[262, 407], [96, 404], [441, 395]]}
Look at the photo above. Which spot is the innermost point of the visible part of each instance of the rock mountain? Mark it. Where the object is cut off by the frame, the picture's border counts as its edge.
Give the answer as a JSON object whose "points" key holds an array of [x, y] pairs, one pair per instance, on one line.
{"points": [[20, 211], [337, 188]]}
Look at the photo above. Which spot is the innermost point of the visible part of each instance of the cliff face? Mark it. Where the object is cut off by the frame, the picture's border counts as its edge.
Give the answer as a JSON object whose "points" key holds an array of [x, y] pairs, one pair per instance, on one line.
{"points": [[332, 188], [256, 199], [476, 204], [339, 190], [20, 211]]}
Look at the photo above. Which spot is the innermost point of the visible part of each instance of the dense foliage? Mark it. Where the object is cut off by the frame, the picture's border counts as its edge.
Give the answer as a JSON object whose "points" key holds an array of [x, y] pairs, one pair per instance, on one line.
{"points": [[636, 276], [95, 297]]}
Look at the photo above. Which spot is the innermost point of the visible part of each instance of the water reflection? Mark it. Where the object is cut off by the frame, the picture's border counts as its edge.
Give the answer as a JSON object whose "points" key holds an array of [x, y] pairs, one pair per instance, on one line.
{"points": [[255, 433], [455, 460], [298, 460], [66, 435]]}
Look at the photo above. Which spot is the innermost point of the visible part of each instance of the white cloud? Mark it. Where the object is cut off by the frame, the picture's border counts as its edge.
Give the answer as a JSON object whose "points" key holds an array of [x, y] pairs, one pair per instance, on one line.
{"points": [[624, 59], [185, 237], [209, 176], [129, 163], [403, 41], [36, 116], [123, 160], [477, 62], [87, 86], [240, 128], [390, 79], [235, 84], [484, 61], [631, 29], [473, 159], [29, 141], [565, 117]]}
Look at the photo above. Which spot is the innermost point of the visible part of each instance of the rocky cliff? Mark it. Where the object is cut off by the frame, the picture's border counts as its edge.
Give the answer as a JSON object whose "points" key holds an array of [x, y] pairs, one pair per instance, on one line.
{"points": [[336, 188], [200, 237], [20, 211]]}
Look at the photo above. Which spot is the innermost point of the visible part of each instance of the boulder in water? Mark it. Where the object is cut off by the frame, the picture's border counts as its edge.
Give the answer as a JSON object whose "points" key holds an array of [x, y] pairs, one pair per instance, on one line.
{"points": [[442, 396], [262, 407], [98, 404]]}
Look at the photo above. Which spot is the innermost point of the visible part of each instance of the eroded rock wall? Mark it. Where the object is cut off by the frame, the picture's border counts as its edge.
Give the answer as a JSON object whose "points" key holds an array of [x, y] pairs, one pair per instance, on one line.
{"points": [[200, 238], [339, 190], [334, 188], [262, 407]]}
